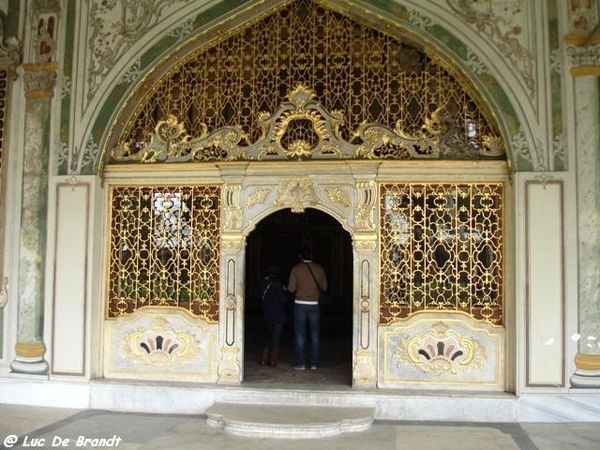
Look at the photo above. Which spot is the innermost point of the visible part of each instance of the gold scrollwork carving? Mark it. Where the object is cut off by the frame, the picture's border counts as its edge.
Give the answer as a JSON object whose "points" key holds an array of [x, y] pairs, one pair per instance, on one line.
{"points": [[337, 195], [259, 196], [316, 112], [297, 194], [314, 135], [366, 206], [233, 211]]}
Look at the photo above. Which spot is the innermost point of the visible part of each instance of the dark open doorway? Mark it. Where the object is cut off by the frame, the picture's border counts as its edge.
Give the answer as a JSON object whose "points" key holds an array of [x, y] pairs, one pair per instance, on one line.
{"points": [[276, 240]]}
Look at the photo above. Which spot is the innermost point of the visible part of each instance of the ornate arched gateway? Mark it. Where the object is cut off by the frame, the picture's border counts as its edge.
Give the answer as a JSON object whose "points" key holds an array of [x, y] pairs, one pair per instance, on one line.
{"points": [[308, 107]]}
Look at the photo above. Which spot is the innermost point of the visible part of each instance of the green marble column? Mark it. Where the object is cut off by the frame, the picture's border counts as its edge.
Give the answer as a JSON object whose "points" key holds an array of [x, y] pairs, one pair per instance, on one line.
{"points": [[30, 347], [587, 120]]}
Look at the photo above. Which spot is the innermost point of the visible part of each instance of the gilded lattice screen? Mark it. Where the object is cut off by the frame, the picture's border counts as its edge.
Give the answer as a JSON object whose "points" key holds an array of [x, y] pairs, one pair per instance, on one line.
{"points": [[308, 82], [359, 74], [164, 249], [441, 249]]}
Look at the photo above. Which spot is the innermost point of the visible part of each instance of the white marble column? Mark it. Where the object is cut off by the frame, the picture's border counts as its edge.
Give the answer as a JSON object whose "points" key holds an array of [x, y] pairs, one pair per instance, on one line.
{"points": [[30, 347], [587, 105]]}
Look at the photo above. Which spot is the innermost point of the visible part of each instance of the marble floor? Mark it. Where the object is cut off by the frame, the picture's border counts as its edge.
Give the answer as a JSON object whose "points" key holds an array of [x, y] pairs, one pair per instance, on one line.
{"points": [[42, 427]]}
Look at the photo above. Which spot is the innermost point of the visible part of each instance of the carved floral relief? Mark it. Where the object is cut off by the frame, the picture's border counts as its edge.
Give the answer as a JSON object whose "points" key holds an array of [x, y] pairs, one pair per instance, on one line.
{"points": [[502, 23], [160, 344], [115, 26]]}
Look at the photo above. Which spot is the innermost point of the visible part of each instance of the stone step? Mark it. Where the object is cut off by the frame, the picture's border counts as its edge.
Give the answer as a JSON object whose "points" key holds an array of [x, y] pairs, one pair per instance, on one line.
{"points": [[287, 421]]}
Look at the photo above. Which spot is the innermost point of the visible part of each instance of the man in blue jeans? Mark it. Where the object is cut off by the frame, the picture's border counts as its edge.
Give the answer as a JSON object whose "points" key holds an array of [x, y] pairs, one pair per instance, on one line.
{"points": [[307, 280]]}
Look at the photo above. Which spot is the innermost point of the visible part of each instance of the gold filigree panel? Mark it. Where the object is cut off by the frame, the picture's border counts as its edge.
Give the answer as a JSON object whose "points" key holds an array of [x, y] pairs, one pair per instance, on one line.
{"points": [[442, 249], [363, 88], [164, 249]]}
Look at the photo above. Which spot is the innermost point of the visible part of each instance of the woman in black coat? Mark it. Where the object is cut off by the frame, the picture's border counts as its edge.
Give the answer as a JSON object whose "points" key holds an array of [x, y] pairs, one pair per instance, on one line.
{"points": [[274, 297]]}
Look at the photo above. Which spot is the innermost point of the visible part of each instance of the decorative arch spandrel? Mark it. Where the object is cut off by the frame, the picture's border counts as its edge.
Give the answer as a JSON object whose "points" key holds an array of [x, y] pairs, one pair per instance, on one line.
{"points": [[434, 119]]}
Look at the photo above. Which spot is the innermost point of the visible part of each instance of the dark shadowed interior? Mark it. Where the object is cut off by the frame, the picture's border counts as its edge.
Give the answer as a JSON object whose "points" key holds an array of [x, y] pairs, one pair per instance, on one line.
{"points": [[276, 240]]}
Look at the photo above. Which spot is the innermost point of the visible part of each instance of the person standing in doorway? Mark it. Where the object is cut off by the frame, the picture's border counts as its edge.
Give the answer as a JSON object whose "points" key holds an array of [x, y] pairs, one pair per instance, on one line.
{"points": [[307, 280], [274, 298]]}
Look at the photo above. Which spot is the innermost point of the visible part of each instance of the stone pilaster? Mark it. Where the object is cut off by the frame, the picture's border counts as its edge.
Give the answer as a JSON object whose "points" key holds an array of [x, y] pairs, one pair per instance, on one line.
{"points": [[30, 348], [366, 285], [231, 313], [366, 314], [586, 68]]}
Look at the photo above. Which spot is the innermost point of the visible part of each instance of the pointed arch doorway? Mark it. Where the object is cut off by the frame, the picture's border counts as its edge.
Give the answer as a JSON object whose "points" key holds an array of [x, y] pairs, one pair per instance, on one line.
{"points": [[276, 240]]}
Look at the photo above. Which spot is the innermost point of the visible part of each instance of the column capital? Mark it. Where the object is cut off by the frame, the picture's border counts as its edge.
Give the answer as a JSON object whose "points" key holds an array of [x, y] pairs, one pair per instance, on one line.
{"points": [[585, 59], [39, 79]]}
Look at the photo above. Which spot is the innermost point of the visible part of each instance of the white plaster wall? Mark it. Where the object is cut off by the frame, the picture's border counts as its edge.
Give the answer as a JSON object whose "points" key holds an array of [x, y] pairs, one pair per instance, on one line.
{"points": [[545, 280], [72, 269], [545, 291], [70, 299]]}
